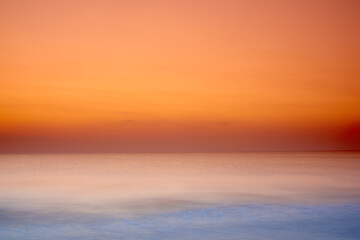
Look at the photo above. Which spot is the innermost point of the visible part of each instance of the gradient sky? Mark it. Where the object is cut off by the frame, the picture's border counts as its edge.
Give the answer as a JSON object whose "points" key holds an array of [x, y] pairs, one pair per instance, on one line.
{"points": [[181, 75]]}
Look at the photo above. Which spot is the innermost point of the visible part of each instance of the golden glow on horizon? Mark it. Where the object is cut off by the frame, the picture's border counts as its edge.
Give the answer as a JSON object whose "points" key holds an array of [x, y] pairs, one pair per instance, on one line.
{"points": [[136, 68]]}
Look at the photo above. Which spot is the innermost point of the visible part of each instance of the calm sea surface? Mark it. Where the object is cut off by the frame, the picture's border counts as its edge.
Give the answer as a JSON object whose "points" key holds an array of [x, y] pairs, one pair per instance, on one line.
{"points": [[212, 196]]}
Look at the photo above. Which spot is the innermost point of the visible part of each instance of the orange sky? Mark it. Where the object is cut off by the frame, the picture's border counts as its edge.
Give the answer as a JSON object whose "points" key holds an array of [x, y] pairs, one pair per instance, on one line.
{"points": [[180, 75]]}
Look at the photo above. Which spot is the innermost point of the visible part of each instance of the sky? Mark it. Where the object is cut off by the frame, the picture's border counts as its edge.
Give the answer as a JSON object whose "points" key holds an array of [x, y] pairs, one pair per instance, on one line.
{"points": [[179, 76]]}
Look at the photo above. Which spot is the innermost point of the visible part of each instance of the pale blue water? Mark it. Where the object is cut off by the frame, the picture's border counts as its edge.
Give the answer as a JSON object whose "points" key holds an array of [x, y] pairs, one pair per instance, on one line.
{"points": [[307, 210], [295, 222]]}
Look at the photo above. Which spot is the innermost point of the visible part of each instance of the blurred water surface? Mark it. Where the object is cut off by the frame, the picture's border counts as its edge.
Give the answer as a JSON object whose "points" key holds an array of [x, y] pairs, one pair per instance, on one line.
{"points": [[180, 196]]}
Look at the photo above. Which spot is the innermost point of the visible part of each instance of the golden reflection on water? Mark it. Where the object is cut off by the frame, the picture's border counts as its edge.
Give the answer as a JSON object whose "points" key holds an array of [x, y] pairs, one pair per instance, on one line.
{"points": [[135, 183]]}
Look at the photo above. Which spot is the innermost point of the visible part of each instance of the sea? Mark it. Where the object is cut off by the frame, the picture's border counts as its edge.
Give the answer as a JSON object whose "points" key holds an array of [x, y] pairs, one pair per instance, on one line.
{"points": [[180, 196]]}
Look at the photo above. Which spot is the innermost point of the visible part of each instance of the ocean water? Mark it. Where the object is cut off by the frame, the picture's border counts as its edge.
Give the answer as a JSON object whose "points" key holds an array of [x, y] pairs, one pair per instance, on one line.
{"points": [[213, 196]]}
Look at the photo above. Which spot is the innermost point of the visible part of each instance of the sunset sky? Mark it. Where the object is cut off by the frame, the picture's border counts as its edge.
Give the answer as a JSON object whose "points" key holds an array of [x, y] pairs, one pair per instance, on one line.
{"points": [[179, 75]]}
